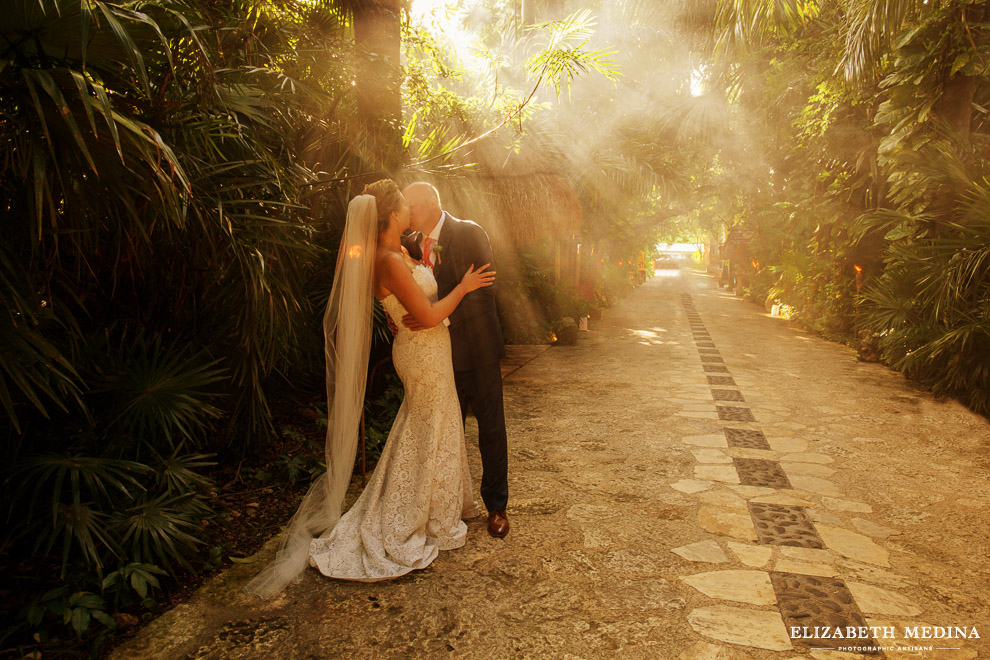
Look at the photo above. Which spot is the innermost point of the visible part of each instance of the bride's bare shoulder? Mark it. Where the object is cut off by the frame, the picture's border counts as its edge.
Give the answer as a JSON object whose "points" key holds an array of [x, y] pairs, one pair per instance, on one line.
{"points": [[394, 260]]}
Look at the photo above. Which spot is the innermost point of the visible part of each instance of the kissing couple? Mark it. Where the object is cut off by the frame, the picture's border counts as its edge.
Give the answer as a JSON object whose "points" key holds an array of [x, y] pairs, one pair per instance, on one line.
{"points": [[420, 493]]}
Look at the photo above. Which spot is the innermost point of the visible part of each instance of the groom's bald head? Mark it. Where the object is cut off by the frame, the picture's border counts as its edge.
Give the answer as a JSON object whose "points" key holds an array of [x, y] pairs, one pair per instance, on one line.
{"points": [[424, 206]]}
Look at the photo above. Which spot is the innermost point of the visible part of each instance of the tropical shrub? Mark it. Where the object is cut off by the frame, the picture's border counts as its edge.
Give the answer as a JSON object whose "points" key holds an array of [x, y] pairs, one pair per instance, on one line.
{"points": [[158, 275], [929, 310], [869, 206]]}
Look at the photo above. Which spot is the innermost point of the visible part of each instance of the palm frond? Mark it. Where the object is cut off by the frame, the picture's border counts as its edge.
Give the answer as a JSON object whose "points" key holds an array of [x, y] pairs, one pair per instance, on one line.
{"points": [[160, 531], [871, 27], [160, 393]]}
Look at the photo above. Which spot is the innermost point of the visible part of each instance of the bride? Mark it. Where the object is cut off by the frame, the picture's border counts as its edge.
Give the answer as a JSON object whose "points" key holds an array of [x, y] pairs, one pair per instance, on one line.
{"points": [[420, 492]]}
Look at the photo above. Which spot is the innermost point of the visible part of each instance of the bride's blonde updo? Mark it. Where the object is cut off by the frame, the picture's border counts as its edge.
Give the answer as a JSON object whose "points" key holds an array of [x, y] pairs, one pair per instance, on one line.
{"points": [[388, 198]]}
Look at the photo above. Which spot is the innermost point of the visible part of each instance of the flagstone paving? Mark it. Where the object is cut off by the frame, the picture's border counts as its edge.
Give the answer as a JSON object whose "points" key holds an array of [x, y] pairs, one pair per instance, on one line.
{"points": [[692, 480]]}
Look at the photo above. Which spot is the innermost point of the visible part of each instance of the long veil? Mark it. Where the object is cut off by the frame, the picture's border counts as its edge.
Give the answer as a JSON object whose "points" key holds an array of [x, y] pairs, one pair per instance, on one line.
{"points": [[347, 332]]}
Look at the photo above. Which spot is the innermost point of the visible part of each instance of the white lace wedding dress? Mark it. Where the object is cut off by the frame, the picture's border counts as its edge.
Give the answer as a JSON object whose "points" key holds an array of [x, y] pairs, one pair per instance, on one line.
{"points": [[420, 492]]}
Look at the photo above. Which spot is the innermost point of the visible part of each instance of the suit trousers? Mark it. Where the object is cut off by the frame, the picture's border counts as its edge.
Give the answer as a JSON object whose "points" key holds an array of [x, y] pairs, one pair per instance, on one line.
{"points": [[481, 390]]}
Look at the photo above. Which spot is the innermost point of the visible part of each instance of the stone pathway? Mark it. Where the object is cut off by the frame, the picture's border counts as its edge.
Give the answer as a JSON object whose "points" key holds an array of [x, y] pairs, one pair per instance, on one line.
{"points": [[753, 491], [692, 480]]}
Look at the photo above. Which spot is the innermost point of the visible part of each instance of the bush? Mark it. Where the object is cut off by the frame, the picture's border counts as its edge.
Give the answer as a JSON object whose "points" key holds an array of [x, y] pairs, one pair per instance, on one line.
{"points": [[533, 304]]}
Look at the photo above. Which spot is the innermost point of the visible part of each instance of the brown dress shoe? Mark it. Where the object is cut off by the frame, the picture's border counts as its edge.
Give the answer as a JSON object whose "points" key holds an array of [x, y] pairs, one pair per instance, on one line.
{"points": [[498, 524]]}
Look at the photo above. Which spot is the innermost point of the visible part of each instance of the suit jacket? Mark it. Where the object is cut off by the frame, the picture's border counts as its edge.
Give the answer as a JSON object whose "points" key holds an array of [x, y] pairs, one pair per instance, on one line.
{"points": [[475, 333], [412, 242]]}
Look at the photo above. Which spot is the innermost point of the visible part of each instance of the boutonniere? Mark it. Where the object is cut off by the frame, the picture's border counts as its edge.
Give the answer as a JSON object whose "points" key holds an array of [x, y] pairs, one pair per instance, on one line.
{"points": [[437, 249]]}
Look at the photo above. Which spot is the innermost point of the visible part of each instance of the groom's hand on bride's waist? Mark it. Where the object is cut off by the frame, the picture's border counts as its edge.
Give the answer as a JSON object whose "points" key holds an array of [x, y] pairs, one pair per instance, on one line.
{"points": [[410, 322]]}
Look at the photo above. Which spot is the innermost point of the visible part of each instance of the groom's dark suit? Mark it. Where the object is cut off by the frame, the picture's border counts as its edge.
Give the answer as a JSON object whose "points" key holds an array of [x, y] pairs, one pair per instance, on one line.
{"points": [[476, 347]]}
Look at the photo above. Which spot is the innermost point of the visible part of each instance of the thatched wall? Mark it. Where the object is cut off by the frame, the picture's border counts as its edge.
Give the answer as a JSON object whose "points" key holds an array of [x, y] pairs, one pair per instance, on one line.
{"points": [[519, 198]]}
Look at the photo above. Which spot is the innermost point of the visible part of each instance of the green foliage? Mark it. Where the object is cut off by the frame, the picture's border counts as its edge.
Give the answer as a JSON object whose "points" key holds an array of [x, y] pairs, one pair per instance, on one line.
{"points": [[563, 57], [161, 530], [881, 173], [448, 98], [533, 305], [140, 577], [94, 508], [76, 610], [930, 308], [160, 268], [154, 395], [72, 484], [85, 603], [294, 467], [380, 411]]}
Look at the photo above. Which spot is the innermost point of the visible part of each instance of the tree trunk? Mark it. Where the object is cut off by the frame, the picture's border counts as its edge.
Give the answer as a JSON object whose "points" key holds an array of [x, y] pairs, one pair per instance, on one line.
{"points": [[955, 108], [377, 36], [956, 105], [537, 11], [528, 12]]}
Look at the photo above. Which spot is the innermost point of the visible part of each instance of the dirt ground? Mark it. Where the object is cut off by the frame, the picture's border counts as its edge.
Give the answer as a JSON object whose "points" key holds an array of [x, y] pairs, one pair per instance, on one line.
{"points": [[633, 527]]}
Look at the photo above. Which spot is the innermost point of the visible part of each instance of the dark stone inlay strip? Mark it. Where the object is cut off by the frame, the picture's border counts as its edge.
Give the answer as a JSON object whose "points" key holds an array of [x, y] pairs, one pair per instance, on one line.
{"points": [[745, 438], [777, 524], [735, 414], [805, 601], [760, 472], [809, 601], [727, 395]]}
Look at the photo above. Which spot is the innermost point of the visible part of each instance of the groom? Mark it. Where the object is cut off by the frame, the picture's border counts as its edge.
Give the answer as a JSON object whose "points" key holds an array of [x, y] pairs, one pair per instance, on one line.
{"points": [[450, 246]]}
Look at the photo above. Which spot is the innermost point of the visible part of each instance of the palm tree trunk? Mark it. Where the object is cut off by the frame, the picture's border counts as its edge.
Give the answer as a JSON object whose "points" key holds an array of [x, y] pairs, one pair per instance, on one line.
{"points": [[377, 35], [955, 108], [956, 105], [528, 12]]}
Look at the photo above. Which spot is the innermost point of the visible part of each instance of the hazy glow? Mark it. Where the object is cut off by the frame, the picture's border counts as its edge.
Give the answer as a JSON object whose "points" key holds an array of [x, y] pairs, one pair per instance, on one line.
{"points": [[443, 19], [679, 247], [423, 10], [697, 84]]}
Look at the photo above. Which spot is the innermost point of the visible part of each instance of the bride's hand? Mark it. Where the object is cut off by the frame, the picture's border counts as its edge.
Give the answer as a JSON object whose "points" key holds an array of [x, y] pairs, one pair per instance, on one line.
{"points": [[476, 279]]}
